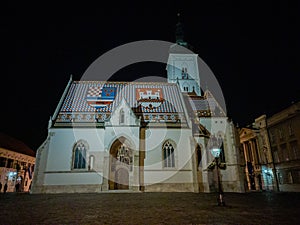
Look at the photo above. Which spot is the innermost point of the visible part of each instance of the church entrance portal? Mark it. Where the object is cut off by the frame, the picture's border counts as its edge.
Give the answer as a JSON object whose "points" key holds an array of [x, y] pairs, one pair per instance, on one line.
{"points": [[120, 165]]}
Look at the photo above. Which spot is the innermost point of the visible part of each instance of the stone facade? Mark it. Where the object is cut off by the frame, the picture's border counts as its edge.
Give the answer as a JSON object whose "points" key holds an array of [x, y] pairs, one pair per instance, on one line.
{"points": [[284, 133], [271, 149]]}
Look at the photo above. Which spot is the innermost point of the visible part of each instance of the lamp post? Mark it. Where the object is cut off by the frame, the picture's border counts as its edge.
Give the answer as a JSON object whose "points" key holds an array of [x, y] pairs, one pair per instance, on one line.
{"points": [[216, 153]]}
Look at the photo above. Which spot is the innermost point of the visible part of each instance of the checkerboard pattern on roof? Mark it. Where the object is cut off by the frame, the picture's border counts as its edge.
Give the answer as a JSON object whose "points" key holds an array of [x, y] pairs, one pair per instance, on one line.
{"points": [[93, 91], [75, 100]]}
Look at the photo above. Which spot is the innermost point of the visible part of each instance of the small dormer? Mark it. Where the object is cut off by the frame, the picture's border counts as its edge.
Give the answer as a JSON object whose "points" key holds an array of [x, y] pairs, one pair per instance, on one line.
{"points": [[123, 115]]}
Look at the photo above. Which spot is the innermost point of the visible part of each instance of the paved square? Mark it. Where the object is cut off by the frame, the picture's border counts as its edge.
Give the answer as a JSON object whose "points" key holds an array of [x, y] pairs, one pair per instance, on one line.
{"points": [[150, 208]]}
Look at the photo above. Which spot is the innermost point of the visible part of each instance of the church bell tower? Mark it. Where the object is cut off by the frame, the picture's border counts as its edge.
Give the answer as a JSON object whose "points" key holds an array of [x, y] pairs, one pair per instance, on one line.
{"points": [[182, 65]]}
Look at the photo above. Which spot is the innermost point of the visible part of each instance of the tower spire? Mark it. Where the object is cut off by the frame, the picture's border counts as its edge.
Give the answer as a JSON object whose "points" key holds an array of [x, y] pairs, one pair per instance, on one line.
{"points": [[179, 31]]}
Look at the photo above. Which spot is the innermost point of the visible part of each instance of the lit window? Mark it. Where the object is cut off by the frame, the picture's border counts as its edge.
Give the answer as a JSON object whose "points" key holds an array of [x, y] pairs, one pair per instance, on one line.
{"points": [[79, 156], [168, 154]]}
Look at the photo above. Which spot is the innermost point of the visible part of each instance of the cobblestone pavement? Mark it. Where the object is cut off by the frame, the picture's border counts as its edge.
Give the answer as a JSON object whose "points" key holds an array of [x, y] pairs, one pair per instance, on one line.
{"points": [[150, 208]]}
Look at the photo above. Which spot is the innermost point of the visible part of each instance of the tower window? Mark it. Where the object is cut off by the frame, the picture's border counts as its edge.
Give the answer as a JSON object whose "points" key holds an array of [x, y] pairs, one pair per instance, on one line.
{"points": [[184, 73]]}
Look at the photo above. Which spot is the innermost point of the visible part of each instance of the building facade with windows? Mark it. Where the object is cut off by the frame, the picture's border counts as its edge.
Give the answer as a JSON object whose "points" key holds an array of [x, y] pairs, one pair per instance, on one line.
{"points": [[16, 164], [284, 132], [138, 136], [259, 169], [271, 151]]}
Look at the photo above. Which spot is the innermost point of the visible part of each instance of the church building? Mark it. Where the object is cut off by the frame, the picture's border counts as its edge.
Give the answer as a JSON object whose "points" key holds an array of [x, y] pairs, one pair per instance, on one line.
{"points": [[107, 136]]}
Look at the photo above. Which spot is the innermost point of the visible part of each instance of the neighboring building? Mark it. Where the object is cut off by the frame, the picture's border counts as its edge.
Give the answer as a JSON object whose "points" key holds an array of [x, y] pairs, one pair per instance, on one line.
{"points": [[16, 164], [138, 136], [271, 149], [284, 133], [258, 162]]}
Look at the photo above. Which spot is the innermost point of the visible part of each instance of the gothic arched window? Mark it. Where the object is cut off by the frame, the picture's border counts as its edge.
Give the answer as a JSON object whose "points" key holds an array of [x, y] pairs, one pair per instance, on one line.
{"points": [[168, 155], [79, 155]]}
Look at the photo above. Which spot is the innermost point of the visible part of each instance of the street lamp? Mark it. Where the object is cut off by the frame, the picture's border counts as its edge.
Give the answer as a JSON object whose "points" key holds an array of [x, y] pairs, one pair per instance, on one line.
{"points": [[216, 153]]}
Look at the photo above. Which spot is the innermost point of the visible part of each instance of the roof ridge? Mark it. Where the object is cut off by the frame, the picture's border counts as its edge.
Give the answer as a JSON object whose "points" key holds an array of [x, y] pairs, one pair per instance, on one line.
{"points": [[124, 82]]}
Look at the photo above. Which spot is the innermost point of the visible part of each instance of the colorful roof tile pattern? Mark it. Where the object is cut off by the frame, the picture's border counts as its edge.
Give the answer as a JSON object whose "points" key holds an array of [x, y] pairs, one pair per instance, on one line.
{"points": [[207, 105], [90, 101]]}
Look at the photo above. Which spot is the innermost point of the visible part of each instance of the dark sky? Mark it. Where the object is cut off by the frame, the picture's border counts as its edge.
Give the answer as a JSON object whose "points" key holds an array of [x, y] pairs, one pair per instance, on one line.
{"points": [[252, 48]]}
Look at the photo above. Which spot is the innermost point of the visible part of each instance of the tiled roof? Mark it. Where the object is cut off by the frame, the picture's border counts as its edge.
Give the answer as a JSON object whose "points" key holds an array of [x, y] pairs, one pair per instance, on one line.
{"points": [[206, 103], [199, 104], [15, 145], [88, 101]]}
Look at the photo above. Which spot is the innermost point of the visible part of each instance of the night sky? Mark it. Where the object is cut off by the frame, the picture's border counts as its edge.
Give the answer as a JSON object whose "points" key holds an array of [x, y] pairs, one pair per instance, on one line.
{"points": [[252, 48]]}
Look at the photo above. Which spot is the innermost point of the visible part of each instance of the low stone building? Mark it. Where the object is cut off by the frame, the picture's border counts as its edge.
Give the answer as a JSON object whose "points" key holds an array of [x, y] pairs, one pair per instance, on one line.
{"points": [[284, 133], [17, 162]]}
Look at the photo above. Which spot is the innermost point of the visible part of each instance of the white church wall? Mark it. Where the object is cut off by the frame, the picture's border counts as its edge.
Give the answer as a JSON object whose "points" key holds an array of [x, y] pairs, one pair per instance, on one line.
{"points": [[154, 170], [230, 145], [232, 176], [62, 143], [60, 150], [173, 177], [73, 178], [41, 162], [60, 158], [155, 139], [214, 124]]}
